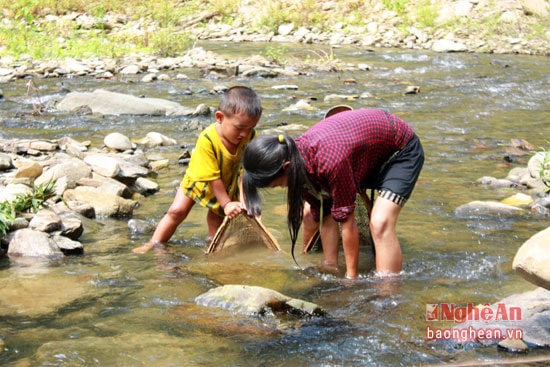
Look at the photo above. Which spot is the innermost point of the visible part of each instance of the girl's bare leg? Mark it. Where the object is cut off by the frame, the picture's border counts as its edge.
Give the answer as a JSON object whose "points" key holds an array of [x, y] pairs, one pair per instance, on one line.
{"points": [[382, 225]]}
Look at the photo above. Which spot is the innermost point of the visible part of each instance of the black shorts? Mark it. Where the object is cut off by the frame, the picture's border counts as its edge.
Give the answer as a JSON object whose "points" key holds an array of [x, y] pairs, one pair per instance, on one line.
{"points": [[399, 174]]}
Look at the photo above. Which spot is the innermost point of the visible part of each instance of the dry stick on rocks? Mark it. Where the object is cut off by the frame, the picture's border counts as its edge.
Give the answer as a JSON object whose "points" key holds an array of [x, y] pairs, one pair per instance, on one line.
{"points": [[200, 19]]}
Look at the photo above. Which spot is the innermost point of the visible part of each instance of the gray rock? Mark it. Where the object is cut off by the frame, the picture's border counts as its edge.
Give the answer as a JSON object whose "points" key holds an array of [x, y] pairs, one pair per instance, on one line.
{"points": [[533, 319], [106, 184], [11, 191], [73, 169], [103, 164], [144, 186], [154, 139], [130, 69], [111, 103], [131, 170], [18, 223], [539, 8], [444, 45], [118, 141], [5, 162], [532, 260], [28, 169], [285, 87], [513, 345], [71, 225], [202, 110], [496, 183], [68, 246], [536, 165], [252, 300], [80, 208], [105, 205], [285, 29], [30, 243], [141, 226], [45, 220], [487, 208]]}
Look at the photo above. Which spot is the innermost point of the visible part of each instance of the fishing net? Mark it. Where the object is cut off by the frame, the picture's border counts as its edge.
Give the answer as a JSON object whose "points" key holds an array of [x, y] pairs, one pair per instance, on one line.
{"points": [[243, 231], [363, 206]]}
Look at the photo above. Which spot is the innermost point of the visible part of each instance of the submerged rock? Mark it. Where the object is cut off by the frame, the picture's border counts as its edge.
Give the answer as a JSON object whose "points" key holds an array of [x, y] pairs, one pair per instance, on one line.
{"points": [[253, 300], [245, 312], [531, 322], [487, 208]]}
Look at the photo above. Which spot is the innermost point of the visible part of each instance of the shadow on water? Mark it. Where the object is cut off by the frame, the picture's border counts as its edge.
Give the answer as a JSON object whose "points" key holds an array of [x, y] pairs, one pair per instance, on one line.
{"points": [[110, 307]]}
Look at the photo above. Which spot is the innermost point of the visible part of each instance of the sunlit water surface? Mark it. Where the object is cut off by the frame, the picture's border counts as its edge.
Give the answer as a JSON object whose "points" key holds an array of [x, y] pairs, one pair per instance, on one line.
{"points": [[111, 307]]}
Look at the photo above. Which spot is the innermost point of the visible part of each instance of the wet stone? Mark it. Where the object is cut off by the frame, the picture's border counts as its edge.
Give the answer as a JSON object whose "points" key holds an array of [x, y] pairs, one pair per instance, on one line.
{"points": [[513, 346]]}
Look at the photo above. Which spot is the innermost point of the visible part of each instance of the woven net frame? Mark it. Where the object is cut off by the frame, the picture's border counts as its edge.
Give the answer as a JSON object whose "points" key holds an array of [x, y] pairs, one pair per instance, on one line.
{"points": [[242, 231]]}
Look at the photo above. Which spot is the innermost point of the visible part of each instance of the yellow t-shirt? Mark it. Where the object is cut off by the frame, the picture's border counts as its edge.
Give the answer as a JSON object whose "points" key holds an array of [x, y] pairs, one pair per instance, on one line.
{"points": [[210, 161]]}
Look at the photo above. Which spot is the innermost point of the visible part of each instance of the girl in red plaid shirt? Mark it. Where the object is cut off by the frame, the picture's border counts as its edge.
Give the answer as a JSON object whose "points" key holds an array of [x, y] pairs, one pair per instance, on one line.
{"points": [[324, 169]]}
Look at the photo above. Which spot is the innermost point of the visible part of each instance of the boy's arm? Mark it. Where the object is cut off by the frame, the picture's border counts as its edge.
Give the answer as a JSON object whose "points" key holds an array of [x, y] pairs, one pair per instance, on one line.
{"points": [[230, 208]]}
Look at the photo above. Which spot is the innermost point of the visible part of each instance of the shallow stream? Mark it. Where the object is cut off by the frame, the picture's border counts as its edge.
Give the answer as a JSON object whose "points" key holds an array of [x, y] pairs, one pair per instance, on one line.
{"points": [[111, 307]]}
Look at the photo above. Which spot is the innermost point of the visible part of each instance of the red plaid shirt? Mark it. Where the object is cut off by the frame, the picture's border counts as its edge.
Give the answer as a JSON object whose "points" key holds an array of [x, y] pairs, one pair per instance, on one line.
{"points": [[345, 153]]}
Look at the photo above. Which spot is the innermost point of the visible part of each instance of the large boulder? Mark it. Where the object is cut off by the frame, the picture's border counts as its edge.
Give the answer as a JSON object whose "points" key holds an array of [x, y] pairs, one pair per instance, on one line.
{"points": [[30, 243], [532, 261], [522, 316], [111, 103], [252, 300], [244, 312], [72, 169], [105, 204]]}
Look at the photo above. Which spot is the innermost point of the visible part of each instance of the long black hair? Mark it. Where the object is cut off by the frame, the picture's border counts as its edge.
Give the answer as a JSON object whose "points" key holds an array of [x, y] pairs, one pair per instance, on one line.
{"points": [[263, 161]]}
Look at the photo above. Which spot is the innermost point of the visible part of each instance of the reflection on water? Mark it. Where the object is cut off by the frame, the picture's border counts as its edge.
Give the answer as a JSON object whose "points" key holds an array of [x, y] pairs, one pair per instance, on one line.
{"points": [[110, 307]]}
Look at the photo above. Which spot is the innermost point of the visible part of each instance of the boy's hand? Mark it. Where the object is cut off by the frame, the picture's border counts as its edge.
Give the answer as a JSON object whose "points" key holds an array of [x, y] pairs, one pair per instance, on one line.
{"points": [[232, 209], [146, 247], [143, 249]]}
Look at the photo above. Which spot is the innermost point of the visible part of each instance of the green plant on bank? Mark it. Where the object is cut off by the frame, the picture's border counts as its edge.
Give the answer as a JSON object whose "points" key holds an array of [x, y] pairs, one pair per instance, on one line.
{"points": [[6, 217], [427, 13], [544, 169], [277, 54], [398, 6], [303, 13], [323, 58], [171, 43], [275, 15], [226, 8], [26, 32], [32, 201]]}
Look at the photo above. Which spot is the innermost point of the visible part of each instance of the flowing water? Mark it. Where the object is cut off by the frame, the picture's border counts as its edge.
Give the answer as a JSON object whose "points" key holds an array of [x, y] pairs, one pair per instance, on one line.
{"points": [[111, 307]]}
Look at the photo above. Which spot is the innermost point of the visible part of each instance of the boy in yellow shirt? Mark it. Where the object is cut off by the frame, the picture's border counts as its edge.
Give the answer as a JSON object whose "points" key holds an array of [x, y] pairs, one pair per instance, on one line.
{"points": [[212, 178]]}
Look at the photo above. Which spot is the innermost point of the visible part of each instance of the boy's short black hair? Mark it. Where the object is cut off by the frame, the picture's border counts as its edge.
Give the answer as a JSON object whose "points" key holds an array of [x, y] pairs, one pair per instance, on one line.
{"points": [[240, 99]]}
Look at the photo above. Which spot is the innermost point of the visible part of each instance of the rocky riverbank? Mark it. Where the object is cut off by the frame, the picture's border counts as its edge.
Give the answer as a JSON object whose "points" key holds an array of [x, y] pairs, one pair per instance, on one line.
{"points": [[89, 182], [454, 26]]}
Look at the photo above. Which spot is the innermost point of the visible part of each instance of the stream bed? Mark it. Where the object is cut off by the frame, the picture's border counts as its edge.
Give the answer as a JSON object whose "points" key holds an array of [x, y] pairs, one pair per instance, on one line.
{"points": [[110, 307]]}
